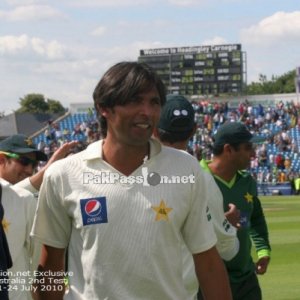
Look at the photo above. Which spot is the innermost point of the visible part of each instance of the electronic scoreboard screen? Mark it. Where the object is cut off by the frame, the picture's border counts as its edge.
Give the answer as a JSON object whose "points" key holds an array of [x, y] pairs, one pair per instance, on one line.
{"points": [[199, 70]]}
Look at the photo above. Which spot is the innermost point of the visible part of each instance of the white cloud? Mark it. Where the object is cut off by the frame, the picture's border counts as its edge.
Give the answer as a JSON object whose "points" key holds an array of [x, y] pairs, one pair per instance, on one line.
{"points": [[186, 2], [51, 50], [280, 27], [123, 3], [272, 45], [199, 2], [108, 3], [64, 68], [22, 45], [11, 44], [86, 72], [215, 41], [118, 3], [99, 31], [24, 2], [31, 12]]}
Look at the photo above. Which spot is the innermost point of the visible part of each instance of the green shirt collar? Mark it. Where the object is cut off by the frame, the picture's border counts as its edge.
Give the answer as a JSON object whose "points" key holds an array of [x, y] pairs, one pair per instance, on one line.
{"points": [[205, 167]]}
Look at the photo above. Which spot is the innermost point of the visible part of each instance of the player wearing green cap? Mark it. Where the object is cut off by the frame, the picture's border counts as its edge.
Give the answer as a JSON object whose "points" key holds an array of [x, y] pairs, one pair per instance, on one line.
{"points": [[232, 150], [175, 128]]}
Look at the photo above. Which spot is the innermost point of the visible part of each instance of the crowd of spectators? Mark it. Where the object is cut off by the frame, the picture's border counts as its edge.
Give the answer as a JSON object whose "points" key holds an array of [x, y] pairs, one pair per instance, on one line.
{"points": [[275, 161], [54, 136]]}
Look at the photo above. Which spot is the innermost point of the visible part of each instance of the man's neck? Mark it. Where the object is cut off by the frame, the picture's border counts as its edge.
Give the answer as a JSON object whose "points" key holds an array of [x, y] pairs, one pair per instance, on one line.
{"points": [[125, 158], [222, 169]]}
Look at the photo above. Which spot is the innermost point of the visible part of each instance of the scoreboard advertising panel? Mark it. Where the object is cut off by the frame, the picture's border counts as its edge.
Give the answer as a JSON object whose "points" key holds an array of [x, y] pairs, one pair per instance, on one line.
{"points": [[199, 70]]}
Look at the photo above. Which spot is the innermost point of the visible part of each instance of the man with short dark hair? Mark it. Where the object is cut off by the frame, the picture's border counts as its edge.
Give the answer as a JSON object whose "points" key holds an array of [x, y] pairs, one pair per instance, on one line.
{"points": [[5, 258], [19, 157], [232, 150], [176, 125], [175, 128], [18, 160], [125, 234]]}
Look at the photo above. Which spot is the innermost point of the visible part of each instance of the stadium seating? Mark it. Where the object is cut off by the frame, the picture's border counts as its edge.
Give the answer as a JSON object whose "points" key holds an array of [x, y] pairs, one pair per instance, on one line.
{"points": [[267, 130]]}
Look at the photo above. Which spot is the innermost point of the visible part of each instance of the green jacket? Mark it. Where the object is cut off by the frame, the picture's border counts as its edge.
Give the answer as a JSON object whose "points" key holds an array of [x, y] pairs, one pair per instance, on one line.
{"points": [[242, 191]]}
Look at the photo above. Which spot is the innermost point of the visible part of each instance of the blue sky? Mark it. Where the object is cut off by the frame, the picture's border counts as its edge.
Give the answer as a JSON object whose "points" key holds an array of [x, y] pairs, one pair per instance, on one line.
{"points": [[61, 48]]}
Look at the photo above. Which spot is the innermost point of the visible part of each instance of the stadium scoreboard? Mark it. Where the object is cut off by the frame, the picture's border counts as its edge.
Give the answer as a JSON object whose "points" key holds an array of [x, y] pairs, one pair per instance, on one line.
{"points": [[199, 70]]}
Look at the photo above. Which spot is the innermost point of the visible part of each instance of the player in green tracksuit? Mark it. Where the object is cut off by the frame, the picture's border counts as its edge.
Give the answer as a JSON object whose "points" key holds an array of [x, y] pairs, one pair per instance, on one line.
{"points": [[232, 151]]}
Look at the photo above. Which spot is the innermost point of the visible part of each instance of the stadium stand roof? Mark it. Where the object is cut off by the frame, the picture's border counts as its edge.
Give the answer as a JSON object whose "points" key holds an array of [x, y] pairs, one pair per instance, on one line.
{"points": [[25, 123]]}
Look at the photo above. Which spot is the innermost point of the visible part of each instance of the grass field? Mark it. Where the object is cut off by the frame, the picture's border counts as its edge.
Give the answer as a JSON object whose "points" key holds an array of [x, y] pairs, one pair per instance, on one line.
{"points": [[282, 281]]}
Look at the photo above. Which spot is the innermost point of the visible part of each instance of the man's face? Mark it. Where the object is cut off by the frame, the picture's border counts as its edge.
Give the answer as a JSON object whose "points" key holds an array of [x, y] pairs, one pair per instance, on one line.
{"points": [[133, 123], [14, 170], [243, 155]]}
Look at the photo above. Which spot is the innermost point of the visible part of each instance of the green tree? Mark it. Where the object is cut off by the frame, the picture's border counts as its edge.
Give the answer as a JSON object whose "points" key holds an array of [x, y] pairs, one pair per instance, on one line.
{"points": [[33, 103], [55, 106], [36, 103], [287, 82], [277, 85]]}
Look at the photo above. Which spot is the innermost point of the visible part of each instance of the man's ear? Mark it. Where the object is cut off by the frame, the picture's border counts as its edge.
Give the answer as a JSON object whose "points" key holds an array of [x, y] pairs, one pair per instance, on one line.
{"points": [[102, 111], [227, 148], [2, 159]]}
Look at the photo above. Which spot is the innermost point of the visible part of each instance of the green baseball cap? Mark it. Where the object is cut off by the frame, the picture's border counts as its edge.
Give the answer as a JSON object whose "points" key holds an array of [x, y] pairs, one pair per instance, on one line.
{"points": [[21, 144], [235, 133], [177, 115]]}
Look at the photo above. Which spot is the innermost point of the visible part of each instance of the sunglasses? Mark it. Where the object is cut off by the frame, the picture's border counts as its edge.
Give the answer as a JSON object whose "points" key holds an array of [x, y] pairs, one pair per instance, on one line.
{"points": [[23, 160]]}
